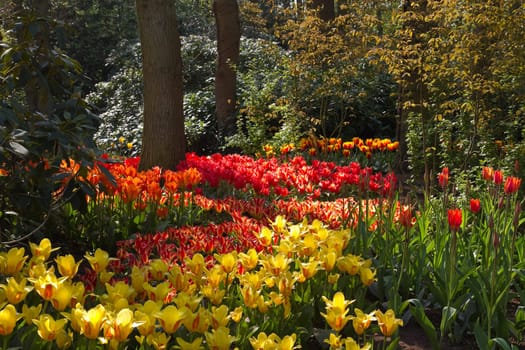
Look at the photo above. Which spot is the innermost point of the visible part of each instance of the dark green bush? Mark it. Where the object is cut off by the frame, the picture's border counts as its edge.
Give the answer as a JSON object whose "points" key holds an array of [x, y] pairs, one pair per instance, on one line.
{"points": [[43, 120]]}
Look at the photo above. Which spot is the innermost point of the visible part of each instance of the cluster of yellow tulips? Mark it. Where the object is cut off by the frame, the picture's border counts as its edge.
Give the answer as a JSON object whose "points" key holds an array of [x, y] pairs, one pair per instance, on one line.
{"points": [[233, 299]]}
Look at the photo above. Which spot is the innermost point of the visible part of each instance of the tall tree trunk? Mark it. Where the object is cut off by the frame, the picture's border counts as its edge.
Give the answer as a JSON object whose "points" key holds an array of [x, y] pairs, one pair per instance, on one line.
{"points": [[326, 9], [39, 98], [163, 140], [228, 43]]}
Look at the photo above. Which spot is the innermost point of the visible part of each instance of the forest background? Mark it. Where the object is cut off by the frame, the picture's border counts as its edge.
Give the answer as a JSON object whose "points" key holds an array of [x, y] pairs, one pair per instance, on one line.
{"points": [[444, 78]]}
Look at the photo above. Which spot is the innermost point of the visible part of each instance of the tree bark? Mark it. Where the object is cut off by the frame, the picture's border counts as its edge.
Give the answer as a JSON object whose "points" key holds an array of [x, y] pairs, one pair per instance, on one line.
{"points": [[39, 98], [163, 140], [228, 43]]}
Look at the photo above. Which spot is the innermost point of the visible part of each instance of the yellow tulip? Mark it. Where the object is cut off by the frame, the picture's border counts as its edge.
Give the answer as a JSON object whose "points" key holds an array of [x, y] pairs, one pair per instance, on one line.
{"points": [[42, 250], [120, 290], [220, 316], [277, 264], [138, 277], [279, 225], [159, 340], [250, 296], [350, 264], [309, 269], [92, 320], [158, 292], [196, 264], [227, 261], [336, 310], [99, 261], [334, 341], [236, 314], [77, 293], [37, 269], [8, 318], [266, 236], [12, 262], [191, 301], [329, 259], [120, 327], [105, 276], [215, 276], [338, 302], [47, 284], [367, 276], [67, 266], [287, 248], [287, 342], [309, 245], [350, 344], [276, 298], [197, 322], [220, 338], [184, 345], [336, 319], [15, 292], [388, 323], [286, 284], [249, 260], [29, 313], [263, 305], [64, 339], [254, 279], [62, 296], [333, 278], [180, 280], [75, 317], [362, 321], [262, 342], [171, 317], [145, 316], [215, 295], [48, 327], [158, 269], [273, 341]]}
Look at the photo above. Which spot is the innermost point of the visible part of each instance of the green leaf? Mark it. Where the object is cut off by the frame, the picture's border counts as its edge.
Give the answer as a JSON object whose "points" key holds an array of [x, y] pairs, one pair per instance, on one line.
{"points": [[448, 315], [18, 148], [393, 344], [481, 337], [502, 342], [418, 311]]}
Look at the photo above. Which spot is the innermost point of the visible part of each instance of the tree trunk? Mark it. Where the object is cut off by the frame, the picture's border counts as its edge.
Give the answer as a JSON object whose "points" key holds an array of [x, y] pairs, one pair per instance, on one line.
{"points": [[39, 98], [163, 140], [228, 42], [326, 9]]}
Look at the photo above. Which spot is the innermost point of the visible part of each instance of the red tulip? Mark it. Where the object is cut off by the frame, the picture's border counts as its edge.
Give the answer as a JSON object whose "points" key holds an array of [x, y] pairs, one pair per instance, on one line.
{"points": [[406, 219], [475, 205], [443, 177], [498, 177], [455, 217], [487, 173], [512, 184]]}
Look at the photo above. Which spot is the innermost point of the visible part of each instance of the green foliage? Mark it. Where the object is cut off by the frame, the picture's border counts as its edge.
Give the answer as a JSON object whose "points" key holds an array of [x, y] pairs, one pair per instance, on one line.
{"points": [[36, 136], [195, 17], [266, 116], [461, 82], [341, 91], [119, 99], [92, 29]]}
